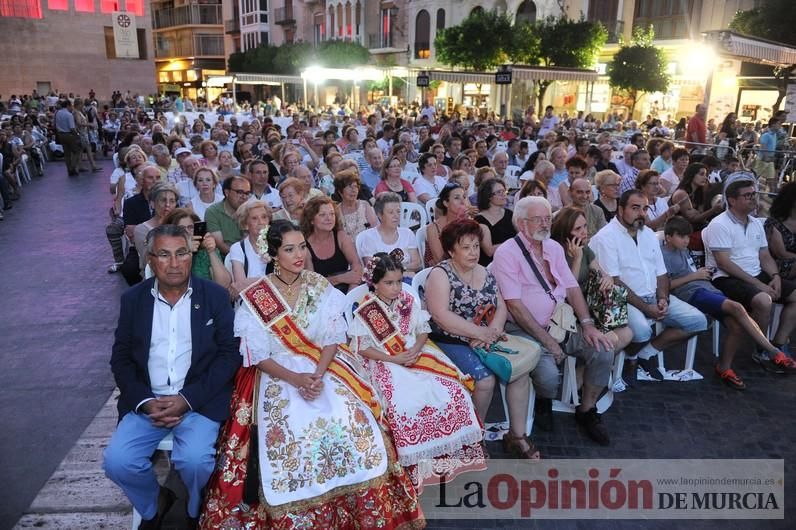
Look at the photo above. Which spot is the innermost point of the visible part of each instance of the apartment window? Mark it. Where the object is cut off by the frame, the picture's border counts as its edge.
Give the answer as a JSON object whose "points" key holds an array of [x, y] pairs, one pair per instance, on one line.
{"points": [[440, 19], [20, 8], [264, 5], [263, 38], [84, 6], [110, 46], [423, 35], [670, 18], [58, 5], [109, 6], [136, 6]]}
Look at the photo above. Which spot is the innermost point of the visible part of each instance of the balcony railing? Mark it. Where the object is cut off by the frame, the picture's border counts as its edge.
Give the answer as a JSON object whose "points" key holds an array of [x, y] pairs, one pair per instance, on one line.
{"points": [[199, 46], [284, 15], [379, 40], [187, 15], [232, 26], [616, 29]]}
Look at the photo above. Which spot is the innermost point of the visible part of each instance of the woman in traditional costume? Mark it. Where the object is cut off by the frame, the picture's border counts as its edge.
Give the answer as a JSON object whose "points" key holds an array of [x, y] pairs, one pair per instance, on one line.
{"points": [[303, 447], [435, 428]]}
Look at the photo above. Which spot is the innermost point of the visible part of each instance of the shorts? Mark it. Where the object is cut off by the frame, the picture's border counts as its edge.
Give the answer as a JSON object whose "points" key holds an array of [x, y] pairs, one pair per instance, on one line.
{"points": [[709, 302], [765, 170], [743, 292]]}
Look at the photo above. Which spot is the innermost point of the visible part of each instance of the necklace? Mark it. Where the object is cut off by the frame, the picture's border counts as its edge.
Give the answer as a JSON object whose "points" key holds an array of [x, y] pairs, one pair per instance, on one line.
{"points": [[462, 277], [288, 285]]}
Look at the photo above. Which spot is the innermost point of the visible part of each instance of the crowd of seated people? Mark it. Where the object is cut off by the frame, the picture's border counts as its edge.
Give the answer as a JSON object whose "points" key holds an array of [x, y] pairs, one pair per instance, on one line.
{"points": [[514, 225]]}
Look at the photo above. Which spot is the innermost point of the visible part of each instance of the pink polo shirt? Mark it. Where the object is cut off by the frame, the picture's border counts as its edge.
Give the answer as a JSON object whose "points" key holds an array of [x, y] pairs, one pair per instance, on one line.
{"points": [[517, 281]]}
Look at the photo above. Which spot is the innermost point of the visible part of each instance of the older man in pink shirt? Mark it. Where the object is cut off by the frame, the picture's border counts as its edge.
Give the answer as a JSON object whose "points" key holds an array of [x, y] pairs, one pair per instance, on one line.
{"points": [[532, 303]]}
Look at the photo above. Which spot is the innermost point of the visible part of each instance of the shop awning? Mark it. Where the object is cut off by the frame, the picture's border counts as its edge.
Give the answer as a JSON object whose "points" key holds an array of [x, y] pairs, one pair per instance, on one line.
{"points": [[266, 79], [521, 73], [540, 73], [752, 49], [461, 77]]}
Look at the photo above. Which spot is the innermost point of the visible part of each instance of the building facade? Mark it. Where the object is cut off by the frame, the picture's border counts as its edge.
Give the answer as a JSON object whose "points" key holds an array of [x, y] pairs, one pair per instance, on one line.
{"points": [[188, 44], [68, 46]]}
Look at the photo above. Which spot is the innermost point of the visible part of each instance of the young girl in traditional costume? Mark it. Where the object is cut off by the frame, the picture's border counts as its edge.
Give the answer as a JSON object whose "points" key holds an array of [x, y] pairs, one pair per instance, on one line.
{"points": [[426, 399], [318, 457]]}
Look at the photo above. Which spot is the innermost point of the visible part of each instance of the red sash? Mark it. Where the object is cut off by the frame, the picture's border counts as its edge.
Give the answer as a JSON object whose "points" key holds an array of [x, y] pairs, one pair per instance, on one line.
{"points": [[273, 313], [386, 333]]}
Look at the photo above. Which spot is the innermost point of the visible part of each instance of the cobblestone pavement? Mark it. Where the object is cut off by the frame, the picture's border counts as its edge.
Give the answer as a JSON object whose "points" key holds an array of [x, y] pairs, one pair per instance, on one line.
{"points": [[57, 318], [56, 321]]}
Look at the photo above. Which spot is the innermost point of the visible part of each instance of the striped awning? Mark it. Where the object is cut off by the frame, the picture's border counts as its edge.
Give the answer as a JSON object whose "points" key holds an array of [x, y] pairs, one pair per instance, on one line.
{"points": [[461, 77], [752, 49], [539, 73], [266, 79], [521, 73]]}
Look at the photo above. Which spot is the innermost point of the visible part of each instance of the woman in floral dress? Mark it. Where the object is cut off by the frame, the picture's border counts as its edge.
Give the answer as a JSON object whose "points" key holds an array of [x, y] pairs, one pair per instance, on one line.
{"points": [[435, 428], [323, 459]]}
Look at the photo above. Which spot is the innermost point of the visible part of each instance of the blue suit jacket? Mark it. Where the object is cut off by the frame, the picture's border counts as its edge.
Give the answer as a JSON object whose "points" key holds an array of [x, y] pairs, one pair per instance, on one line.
{"points": [[214, 360]]}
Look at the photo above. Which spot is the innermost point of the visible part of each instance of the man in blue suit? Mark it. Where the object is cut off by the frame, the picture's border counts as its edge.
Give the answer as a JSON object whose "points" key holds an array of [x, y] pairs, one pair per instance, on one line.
{"points": [[174, 359]]}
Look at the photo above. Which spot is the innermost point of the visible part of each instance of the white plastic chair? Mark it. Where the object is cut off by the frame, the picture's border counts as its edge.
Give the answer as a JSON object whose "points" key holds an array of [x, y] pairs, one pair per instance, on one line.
{"points": [[422, 235], [419, 281], [431, 209], [690, 354], [357, 293], [411, 168], [166, 445], [407, 209], [513, 171], [773, 324]]}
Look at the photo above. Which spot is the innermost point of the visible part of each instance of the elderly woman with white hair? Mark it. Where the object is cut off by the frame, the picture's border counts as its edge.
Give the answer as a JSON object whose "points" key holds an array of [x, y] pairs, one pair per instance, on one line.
{"points": [[607, 183], [248, 262]]}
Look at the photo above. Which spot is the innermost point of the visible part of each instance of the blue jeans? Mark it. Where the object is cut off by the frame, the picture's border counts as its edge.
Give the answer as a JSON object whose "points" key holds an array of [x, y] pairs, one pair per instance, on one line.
{"points": [[128, 458], [681, 315]]}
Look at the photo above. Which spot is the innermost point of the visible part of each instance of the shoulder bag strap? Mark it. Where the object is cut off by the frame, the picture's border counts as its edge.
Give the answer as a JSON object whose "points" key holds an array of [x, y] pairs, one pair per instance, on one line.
{"points": [[538, 274]]}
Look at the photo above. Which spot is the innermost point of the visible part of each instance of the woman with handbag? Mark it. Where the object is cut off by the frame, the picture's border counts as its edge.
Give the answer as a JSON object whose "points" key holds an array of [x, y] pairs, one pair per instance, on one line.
{"points": [[468, 318], [435, 428], [607, 302]]}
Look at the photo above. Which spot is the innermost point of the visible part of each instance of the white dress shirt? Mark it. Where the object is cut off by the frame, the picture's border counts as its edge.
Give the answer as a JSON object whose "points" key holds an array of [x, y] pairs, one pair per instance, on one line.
{"points": [[637, 262], [171, 346]]}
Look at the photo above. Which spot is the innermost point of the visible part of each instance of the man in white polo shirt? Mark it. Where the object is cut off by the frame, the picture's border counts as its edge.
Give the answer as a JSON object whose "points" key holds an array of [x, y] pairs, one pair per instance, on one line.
{"points": [[736, 247], [631, 253]]}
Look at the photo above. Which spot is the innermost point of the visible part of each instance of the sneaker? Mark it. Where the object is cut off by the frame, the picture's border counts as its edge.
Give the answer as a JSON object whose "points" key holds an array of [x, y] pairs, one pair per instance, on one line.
{"points": [[731, 378], [591, 422], [785, 363], [116, 267], [652, 371], [766, 363]]}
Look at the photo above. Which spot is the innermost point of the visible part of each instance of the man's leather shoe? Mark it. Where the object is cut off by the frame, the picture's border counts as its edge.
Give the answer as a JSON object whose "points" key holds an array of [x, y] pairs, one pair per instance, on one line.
{"points": [[166, 499], [591, 422], [191, 523], [543, 414]]}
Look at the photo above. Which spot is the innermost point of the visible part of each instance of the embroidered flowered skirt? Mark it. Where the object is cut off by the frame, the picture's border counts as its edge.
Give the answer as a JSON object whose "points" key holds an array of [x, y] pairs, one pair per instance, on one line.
{"points": [[311, 458]]}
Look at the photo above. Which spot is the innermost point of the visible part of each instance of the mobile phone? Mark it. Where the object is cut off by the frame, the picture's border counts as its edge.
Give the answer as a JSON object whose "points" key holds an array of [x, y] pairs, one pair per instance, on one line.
{"points": [[295, 142], [200, 229]]}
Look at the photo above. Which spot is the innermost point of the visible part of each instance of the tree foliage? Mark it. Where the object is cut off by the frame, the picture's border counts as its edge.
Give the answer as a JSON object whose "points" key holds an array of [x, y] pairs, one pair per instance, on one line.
{"points": [[479, 42], [290, 59], [639, 67], [773, 20], [486, 39]]}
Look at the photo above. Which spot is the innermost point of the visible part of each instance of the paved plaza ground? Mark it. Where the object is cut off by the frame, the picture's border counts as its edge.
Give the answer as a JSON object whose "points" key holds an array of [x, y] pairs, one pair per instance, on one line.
{"points": [[57, 316]]}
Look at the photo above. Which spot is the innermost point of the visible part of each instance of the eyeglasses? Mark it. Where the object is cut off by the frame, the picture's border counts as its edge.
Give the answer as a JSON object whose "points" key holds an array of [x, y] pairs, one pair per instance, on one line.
{"points": [[499, 192], [749, 196], [165, 257], [537, 219], [242, 193]]}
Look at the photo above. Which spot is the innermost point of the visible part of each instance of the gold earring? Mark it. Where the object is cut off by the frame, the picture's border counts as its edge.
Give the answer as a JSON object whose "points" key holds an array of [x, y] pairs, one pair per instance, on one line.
{"points": [[277, 269]]}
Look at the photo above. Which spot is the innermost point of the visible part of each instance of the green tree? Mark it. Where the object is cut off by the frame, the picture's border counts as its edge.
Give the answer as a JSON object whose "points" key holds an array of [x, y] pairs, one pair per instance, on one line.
{"points": [[568, 44], [773, 20], [291, 58], [639, 67], [479, 42]]}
